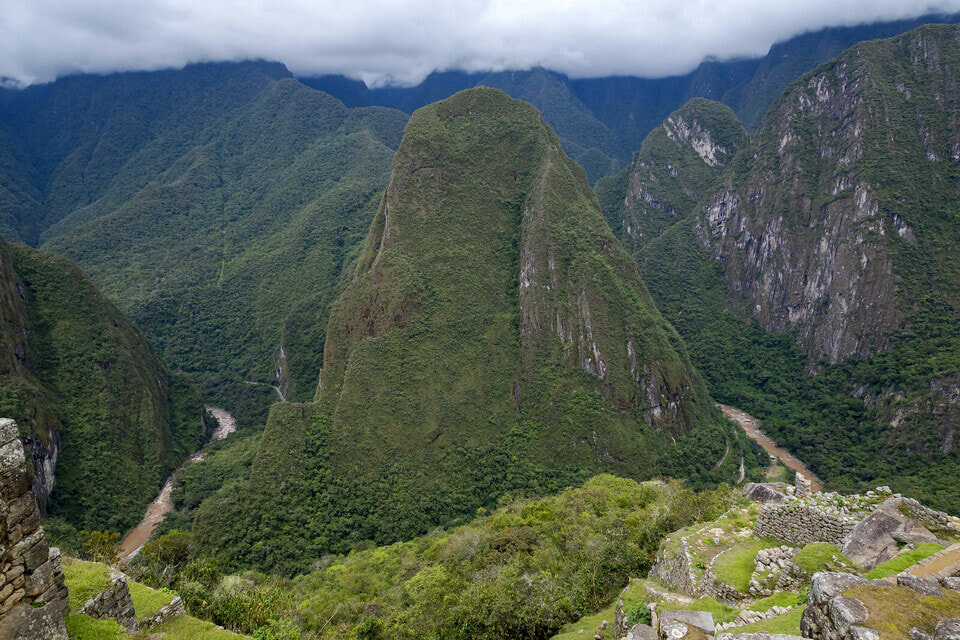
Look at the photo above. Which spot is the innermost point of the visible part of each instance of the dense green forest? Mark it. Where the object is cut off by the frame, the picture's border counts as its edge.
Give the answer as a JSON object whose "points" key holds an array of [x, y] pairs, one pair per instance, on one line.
{"points": [[95, 404], [521, 570], [448, 382], [860, 422]]}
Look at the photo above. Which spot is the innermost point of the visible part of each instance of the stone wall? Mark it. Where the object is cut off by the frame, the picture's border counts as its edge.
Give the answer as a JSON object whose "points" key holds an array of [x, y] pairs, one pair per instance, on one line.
{"points": [[172, 610], [33, 597], [676, 569], [928, 515], [114, 603], [800, 524]]}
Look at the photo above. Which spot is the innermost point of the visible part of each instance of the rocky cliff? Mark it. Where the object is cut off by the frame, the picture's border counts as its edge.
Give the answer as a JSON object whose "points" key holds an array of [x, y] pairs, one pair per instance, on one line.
{"points": [[815, 283], [680, 164], [839, 229]]}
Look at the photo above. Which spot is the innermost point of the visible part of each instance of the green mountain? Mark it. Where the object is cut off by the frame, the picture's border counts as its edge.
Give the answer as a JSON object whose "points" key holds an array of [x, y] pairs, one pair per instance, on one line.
{"points": [[216, 205], [495, 338], [103, 419], [679, 164], [817, 287]]}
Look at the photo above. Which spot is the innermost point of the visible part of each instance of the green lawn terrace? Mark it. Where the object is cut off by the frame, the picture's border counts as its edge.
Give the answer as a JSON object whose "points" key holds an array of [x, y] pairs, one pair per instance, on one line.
{"points": [[86, 580]]}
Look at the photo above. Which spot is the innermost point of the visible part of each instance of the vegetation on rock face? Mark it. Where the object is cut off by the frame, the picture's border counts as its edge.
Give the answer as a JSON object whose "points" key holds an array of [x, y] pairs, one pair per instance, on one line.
{"points": [[495, 338], [103, 419], [884, 297], [679, 165]]}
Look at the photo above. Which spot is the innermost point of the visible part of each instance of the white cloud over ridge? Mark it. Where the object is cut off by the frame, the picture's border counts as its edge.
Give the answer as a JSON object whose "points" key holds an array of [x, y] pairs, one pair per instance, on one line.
{"points": [[401, 41]]}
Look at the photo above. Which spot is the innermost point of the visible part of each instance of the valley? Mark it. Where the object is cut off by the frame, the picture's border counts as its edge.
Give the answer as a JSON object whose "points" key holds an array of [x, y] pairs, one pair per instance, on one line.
{"points": [[134, 539], [502, 354], [751, 427]]}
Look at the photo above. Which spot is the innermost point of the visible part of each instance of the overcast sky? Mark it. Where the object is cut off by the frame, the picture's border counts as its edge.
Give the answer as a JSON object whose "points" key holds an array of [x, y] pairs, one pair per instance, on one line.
{"points": [[401, 41]]}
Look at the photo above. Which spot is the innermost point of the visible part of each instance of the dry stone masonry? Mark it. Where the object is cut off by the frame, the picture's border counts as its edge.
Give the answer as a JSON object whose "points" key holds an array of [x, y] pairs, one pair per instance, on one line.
{"points": [[114, 603], [816, 517], [32, 592]]}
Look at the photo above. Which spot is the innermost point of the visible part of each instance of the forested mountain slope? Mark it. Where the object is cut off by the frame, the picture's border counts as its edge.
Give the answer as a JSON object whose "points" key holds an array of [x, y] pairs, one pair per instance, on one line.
{"points": [[216, 205], [817, 286], [102, 417], [495, 338]]}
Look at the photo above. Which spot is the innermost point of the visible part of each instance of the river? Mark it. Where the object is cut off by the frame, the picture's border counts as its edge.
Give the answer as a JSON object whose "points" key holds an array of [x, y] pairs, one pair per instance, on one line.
{"points": [[162, 504], [752, 428]]}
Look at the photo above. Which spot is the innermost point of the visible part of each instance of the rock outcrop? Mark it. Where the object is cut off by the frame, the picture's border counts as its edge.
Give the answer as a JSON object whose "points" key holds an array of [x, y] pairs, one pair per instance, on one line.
{"points": [[32, 592]]}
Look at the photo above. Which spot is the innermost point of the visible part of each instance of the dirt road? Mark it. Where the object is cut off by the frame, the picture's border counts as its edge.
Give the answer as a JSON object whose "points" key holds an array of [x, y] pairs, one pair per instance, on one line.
{"points": [[752, 427]]}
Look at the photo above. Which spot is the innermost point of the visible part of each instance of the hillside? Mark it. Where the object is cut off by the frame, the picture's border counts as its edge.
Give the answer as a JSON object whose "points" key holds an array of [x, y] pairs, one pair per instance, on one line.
{"points": [[493, 322], [218, 206], [679, 164], [815, 286], [103, 419]]}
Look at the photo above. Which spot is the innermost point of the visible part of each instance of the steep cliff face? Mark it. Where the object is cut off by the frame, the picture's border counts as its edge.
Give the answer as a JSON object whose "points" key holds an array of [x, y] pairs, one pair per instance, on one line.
{"points": [[841, 225], [680, 164], [817, 286], [101, 417], [495, 338]]}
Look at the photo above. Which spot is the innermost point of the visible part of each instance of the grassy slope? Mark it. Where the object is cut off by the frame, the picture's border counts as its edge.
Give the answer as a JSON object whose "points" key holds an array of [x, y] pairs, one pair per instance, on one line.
{"points": [[88, 379]]}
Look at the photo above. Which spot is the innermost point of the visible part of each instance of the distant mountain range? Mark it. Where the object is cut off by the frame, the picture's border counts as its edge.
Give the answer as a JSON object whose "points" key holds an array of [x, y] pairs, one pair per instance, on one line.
{"points": [[602, 121]]}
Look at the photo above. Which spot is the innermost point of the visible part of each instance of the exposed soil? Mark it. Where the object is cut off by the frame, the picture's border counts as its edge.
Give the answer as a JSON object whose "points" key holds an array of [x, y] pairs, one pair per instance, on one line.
{"points": [[752, 427]]}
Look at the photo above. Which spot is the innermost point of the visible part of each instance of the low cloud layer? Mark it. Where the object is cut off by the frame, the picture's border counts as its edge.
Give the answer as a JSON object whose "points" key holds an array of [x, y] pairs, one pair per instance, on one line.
{"points": [[401, 41]]}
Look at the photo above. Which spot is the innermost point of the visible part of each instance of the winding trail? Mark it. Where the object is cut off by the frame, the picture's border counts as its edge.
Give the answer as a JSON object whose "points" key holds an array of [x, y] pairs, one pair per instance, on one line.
{"points": [[162, 504], [751, 426]]}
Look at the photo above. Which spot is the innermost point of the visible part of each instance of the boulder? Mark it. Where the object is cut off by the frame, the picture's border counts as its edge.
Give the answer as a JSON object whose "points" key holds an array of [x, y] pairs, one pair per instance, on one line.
{"points": [[947, 630], [952, 583], [919, 634], [702, 620], [924, 586], [642, 632], [764, 492], [874, 539], [673, 630]]}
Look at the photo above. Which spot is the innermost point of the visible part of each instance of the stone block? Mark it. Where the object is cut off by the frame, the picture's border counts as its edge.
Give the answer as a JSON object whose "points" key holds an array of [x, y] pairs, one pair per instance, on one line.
{"points": [[702, 620]]}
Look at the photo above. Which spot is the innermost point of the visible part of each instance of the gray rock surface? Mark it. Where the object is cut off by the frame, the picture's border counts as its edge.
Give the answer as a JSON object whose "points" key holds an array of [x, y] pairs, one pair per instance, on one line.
{"points": [[642, 632], [764, 492], [925, 586], [874, 540], [952, 583], [947, 630], [702, 620]]}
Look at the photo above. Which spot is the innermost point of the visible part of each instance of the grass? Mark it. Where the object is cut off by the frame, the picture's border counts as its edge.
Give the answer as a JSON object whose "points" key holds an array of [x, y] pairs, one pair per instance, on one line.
{"points": [[782, 599], [84, 580], [894, 610], [735, 566], [721, 612], [83, 627], [589, 624], [904, 560], [190, 628], [818, 556], [147, 601], [787, 623]]}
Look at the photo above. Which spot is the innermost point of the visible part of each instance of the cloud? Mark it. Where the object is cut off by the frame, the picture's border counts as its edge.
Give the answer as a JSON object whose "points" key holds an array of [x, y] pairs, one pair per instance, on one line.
{"points": [[401, 41]]}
